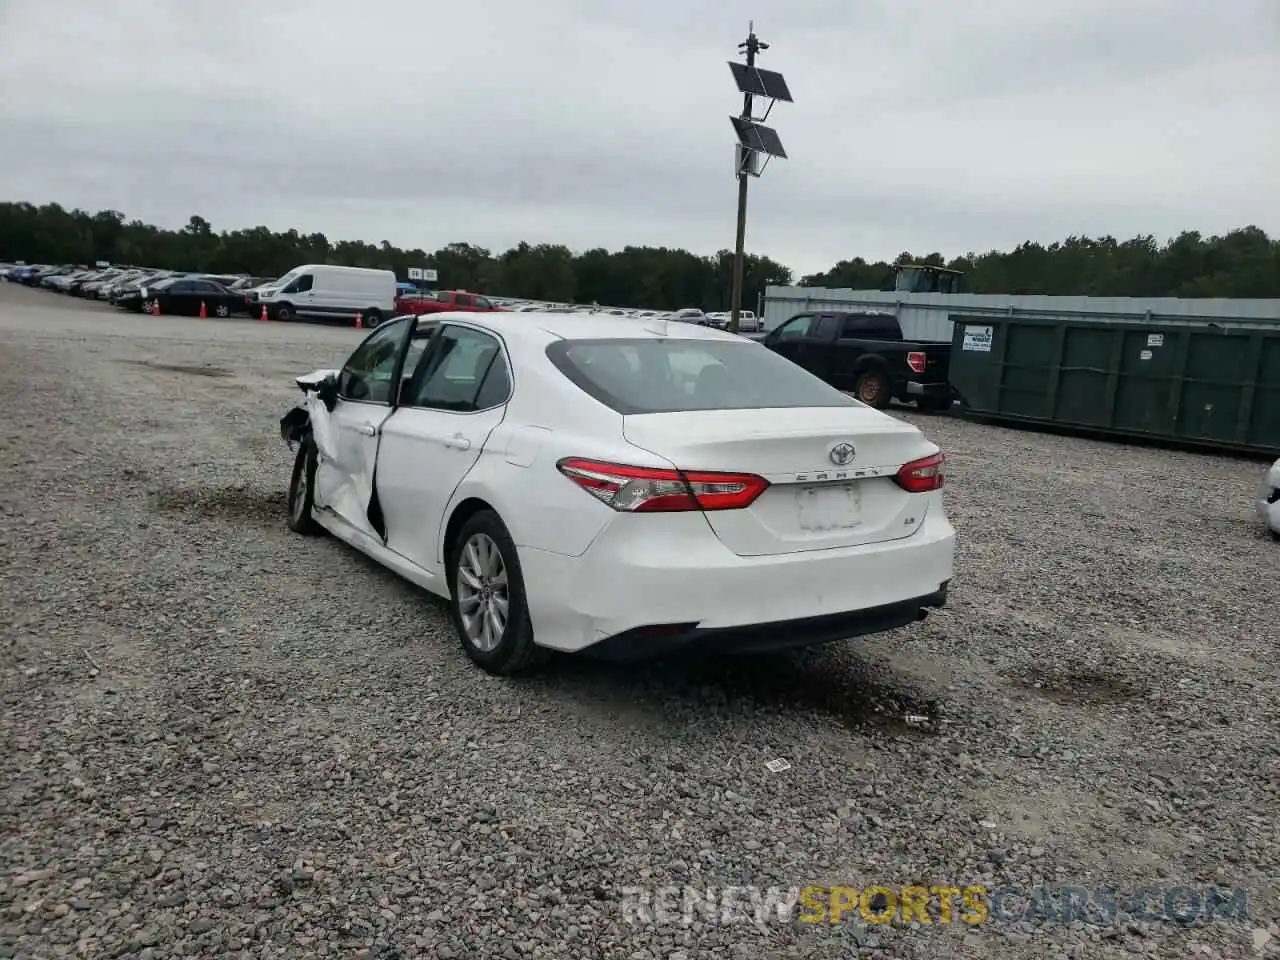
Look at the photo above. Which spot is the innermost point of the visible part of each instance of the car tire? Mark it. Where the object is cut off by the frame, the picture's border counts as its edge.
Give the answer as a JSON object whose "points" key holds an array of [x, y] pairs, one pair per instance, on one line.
{"points": [[373, 318], [872, 388], [302, 485], [284, 312], [484, 570], [222, 311]]}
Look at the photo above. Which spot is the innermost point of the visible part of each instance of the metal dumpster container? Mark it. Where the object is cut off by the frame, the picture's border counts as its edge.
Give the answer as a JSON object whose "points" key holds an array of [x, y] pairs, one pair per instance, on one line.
{"points": [[1198, 384]]}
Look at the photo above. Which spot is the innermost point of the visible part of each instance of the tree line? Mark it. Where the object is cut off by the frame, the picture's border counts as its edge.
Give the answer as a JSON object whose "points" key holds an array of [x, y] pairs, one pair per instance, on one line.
{"points": [[1243, 263]]}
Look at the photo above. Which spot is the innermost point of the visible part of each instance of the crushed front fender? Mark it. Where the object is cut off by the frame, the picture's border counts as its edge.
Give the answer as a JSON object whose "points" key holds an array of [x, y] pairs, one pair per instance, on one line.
{"points": [[294, 424]]}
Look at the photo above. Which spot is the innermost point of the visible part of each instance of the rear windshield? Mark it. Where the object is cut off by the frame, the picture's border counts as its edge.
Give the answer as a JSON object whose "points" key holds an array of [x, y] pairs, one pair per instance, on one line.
{"points": [[667, 376]]}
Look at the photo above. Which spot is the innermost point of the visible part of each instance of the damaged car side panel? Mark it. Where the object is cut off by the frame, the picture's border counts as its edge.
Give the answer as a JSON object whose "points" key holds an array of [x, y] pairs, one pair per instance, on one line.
{"points": [[322, 384], [346, 445], [1268, 503]]}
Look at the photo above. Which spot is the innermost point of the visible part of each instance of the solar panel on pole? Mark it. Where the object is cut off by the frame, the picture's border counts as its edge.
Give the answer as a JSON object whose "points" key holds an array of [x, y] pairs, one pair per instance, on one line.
{"points": [[770, 142], [775, 87], [748, 79], [747, 135], [758, 137], [754, 140]]}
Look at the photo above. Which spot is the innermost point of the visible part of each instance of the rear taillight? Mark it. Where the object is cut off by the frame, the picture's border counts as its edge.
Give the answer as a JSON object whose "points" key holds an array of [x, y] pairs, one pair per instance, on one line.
{"points": [[648, 490], [921, 476], [917, 361]]}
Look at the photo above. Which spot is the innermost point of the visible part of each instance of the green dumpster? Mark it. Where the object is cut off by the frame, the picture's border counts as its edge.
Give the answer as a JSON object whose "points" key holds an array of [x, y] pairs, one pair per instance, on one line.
{"points": [[1196, 385]]}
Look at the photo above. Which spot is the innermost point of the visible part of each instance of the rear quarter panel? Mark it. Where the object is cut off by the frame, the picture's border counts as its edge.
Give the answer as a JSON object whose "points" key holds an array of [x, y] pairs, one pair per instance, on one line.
{"points": [[548, 419]]}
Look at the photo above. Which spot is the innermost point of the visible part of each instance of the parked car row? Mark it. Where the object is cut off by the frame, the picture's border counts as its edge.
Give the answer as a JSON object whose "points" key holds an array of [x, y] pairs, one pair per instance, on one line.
{"points": [[748, 322], [141, 289], [310, 292]]}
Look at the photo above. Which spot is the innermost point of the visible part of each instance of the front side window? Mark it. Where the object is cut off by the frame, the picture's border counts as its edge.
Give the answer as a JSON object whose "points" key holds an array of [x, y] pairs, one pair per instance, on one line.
{"points": [[367, 375], [796, 328], [301, 285]]}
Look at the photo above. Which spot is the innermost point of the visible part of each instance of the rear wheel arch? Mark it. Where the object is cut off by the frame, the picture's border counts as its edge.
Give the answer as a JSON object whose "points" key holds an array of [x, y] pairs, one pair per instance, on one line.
{"points": [[495, 589], [870, 363], [463, 512]]}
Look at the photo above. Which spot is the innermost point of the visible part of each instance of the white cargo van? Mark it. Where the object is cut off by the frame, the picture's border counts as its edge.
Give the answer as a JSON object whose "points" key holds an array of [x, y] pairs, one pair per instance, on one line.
{"points": [[317, 291]]}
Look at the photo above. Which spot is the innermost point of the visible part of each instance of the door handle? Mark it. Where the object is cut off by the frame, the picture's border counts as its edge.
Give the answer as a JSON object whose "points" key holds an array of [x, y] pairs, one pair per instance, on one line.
{"points": [[367, 431], [457, 442]]}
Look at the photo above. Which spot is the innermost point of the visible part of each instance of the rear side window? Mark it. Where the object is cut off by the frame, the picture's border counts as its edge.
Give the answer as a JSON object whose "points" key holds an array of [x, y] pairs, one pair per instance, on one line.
{"points": [[826, 328], [666, 376], [455, 371], [870, 327]]}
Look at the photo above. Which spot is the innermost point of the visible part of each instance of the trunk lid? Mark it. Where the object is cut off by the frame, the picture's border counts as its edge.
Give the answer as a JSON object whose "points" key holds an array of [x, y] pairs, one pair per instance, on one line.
{"points": [[813, 503]]}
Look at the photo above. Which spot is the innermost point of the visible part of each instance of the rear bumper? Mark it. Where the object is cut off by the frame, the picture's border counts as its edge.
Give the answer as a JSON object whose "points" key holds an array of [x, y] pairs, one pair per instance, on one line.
{"points": [[642, 644], [650, 585], [929, 391]]}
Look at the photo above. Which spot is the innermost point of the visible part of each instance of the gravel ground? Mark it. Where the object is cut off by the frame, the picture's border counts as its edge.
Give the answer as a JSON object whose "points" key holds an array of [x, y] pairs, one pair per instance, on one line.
{"points": [[222, 739]]}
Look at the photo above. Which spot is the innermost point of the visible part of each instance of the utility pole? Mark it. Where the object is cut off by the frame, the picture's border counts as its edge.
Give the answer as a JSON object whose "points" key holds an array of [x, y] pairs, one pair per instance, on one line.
{"points": [[751, 46], [754, 139]]}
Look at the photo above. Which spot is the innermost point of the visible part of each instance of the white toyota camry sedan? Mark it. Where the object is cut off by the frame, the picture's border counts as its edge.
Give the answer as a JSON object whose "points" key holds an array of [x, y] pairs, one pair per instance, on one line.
{"points": [[629, 488], [1269, 500]]}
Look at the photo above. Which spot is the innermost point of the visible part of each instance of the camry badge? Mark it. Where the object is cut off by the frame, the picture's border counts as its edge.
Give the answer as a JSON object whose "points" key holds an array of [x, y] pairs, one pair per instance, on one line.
{"points": [[841, 454]]}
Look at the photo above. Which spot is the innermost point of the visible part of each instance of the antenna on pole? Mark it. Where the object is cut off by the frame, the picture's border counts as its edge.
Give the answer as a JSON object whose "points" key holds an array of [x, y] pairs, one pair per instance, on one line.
{"points": [[754, 141]]}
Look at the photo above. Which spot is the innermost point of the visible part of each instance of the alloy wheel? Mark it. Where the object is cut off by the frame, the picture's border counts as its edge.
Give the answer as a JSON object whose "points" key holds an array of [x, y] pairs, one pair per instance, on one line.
{"points": [[483, 598]]}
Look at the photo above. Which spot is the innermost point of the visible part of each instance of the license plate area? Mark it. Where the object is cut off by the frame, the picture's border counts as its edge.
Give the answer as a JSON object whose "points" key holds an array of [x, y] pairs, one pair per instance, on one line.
{"points": [[829, 506]]}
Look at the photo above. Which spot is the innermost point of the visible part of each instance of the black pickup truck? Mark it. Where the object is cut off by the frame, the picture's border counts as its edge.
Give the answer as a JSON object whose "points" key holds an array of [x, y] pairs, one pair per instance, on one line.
{"points": [[864, 353]]}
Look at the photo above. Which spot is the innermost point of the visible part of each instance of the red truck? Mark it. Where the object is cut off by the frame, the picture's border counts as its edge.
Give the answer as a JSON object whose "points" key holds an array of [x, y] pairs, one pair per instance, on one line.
{"points": [[440, 301]]}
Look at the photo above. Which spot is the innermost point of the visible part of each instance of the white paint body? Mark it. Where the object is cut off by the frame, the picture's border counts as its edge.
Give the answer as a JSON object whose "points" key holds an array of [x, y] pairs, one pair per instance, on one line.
{"points": [[1270, 512], [590, 571]]}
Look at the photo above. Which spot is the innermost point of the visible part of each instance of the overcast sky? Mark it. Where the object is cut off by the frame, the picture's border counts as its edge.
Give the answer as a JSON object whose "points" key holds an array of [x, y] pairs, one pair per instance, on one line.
{"points": [[918, 125]]}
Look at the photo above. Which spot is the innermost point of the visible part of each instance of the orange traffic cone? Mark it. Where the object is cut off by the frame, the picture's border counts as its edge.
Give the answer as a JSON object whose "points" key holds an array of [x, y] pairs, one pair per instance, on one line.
{"points": [[155, 307], [264, 316], [204, 314], [359, 320]]}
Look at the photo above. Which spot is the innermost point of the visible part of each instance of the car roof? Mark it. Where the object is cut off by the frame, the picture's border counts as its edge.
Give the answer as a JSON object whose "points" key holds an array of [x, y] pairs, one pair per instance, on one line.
{"points": [[543, 328]]}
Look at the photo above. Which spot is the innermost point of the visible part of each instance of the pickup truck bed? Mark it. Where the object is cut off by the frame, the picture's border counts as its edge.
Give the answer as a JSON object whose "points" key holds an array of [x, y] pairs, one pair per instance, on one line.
{"points": [[865, 354]]}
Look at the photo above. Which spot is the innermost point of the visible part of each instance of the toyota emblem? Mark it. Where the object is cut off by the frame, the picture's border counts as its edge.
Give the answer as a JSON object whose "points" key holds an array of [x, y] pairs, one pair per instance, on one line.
{"points": [[841, 454]]}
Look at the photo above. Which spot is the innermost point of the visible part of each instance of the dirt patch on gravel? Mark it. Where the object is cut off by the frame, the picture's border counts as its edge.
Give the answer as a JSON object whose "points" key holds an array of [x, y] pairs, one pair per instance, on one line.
{"points": [[223, 503], [1082, 688], [188, 368]]}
